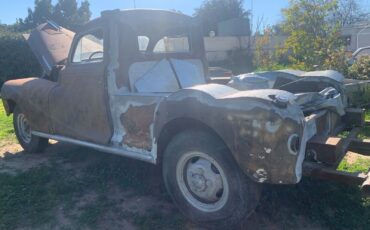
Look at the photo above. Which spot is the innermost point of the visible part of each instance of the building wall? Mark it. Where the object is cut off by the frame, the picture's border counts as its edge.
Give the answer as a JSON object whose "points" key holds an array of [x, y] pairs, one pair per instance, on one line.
{"points": [[359, 36], [221, 48]]}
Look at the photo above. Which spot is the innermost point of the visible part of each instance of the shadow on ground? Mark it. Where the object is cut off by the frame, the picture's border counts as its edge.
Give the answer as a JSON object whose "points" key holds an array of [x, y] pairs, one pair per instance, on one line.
{"points": [[70, 187]]}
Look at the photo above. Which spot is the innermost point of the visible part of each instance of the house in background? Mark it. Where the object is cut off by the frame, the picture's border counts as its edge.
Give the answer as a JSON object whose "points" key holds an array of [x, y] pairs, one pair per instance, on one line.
{"points": [[231, 35], [234, 35], [356, 36]]}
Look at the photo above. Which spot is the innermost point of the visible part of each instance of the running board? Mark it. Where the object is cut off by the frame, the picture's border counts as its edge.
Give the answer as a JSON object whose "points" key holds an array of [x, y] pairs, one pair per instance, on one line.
{"points": [[113, 150]]}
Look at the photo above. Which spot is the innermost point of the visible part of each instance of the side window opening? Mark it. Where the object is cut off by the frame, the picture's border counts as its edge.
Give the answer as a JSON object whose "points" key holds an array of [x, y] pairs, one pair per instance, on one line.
{"points": [[167, 44], [172, 44], [143, 43], [90, 48]]}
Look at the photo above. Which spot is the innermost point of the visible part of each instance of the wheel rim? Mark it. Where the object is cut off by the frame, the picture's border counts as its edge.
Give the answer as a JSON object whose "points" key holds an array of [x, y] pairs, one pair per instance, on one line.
{"points": [[24, 128], [202, 181]]}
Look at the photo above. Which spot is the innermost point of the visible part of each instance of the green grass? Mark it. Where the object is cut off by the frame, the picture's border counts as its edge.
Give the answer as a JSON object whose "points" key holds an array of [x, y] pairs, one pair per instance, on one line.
{"points": [[332, 206], [156, 219], [6, 126], [361, 165], [93, 212], [28, 199]]}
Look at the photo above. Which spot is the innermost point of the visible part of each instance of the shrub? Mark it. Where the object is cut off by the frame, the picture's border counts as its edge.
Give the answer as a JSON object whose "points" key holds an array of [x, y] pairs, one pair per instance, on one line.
{"points": [[337, 60], [361, 69], [16, 58]]}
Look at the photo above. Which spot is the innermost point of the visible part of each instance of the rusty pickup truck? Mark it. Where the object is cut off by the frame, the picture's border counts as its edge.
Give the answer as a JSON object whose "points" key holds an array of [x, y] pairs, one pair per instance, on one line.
{"points": [[134, 83]]}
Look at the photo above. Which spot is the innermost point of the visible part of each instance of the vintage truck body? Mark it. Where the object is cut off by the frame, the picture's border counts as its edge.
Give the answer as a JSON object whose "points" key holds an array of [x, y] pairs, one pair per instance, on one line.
{"points": [[131, 81]]}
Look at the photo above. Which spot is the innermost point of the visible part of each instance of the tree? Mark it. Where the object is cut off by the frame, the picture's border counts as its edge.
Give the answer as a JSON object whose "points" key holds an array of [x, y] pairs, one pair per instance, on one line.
{"points": [[313, 39], [66, 13], [349, 12], [84, 12], [263, 57], [43, 9], [211, 12]]}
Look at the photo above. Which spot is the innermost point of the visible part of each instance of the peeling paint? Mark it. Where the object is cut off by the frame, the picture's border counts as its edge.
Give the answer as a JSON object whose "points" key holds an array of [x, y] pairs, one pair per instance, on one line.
{"points": [[267, 150], [136, 121], [260, 175]]}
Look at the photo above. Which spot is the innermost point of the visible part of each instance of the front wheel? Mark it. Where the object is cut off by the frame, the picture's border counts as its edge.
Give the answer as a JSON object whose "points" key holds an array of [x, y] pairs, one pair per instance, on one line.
{"points": [[29, 142], [205, 182]]}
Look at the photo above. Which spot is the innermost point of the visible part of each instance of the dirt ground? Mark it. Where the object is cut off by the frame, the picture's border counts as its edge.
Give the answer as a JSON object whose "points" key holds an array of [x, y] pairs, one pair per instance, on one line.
{"points": [[128, 207]]}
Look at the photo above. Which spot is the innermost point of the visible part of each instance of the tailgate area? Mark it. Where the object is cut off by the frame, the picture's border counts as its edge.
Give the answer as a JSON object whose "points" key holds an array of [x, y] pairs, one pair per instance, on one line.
{"points": [[324, 153]]}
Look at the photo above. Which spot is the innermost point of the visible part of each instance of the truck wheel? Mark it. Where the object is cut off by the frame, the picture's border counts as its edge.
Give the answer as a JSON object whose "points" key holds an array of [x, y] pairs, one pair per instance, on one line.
{"points": [[29, 142], [205, 182]]}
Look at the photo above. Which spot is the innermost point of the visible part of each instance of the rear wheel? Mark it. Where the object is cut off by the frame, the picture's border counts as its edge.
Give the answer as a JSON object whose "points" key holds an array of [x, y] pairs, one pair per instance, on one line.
{"points": [[29, 142], [205, 182]]}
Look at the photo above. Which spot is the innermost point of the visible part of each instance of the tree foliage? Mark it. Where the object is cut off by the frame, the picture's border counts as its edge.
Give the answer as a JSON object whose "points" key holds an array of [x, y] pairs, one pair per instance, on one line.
{"points": [[211, 12], [263, 57], [313, 39], [66, 13]]}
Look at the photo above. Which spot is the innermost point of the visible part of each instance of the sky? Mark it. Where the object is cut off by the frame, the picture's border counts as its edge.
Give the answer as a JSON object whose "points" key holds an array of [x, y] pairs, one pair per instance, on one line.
{"points": [[268, 10]]}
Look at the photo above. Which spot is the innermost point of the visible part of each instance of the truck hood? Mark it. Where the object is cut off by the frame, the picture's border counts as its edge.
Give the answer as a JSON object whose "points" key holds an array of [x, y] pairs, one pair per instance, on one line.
{"points": [[50, 43]]}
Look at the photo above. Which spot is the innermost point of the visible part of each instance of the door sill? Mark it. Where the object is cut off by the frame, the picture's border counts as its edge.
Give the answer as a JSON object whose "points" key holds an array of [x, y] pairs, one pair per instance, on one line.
{"points": [[113, 150]]}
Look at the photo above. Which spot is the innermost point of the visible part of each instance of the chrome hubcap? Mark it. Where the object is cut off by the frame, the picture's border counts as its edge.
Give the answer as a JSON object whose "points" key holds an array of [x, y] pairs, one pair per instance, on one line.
{"points": [[24, 128], [202, 181]]}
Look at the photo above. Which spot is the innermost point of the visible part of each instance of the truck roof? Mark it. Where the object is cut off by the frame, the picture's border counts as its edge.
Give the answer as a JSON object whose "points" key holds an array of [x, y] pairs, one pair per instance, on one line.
{"points": [[134, 14]]}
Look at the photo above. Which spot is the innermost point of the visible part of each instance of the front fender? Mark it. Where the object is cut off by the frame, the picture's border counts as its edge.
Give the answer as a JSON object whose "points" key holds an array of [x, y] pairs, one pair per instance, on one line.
{"points": [[262, 135], [13, 89], [32, 96]]}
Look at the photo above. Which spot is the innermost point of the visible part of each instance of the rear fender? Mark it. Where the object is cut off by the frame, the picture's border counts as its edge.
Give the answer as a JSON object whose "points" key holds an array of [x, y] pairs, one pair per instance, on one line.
{"points": [[256, 131]]}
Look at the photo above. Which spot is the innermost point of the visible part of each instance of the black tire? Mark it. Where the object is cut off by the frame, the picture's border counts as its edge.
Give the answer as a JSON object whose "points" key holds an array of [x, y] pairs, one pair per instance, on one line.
{"points": [[32, 143], [243, 194]]}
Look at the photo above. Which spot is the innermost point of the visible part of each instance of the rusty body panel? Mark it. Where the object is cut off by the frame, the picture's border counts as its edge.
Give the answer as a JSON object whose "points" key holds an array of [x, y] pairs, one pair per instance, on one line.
{"points": [[137, 121], [77, 112], [125, 101], [36, 104]]}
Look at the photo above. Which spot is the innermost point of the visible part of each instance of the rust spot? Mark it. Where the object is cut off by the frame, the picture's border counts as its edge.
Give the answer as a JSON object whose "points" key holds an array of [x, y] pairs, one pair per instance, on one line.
{"points": [[137, 121]]}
